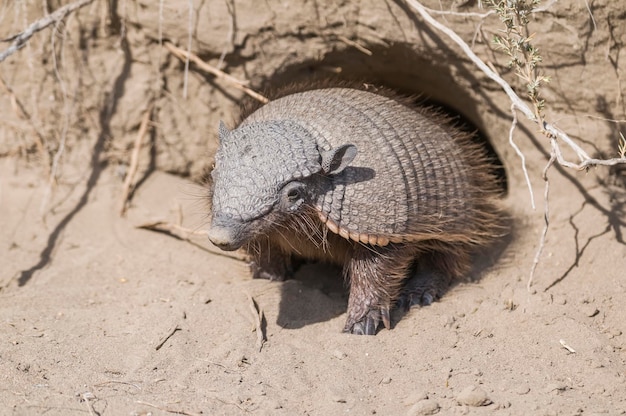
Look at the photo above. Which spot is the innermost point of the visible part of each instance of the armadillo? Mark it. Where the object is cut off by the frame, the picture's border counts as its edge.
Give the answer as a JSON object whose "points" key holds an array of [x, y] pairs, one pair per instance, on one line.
{"points": [[383, 189]]}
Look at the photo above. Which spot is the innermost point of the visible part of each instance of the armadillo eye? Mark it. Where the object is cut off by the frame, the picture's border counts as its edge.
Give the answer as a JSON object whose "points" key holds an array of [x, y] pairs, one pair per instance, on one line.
{"points": [[293, 194]]}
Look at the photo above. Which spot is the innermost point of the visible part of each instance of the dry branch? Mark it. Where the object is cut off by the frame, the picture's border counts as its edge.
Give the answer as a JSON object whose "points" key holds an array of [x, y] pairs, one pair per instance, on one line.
{"points": [[546, 218], [520, 154], [219, 74], [185, 234], [21, 38], [134, 159], [172, 229], [257, 316], [548, 129], [167, 336], [167, 409], [355, 45], [567, 347]]}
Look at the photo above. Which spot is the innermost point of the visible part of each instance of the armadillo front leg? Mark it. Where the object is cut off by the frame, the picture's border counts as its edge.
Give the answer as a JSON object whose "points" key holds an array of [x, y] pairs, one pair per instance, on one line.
{"points": [[376, 276], [269, 261]]}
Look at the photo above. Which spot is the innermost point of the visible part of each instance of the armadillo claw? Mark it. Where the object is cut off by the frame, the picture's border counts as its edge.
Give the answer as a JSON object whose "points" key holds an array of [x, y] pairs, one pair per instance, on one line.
{"points": [[385, 315], [368, 325], [422, 290], [417, 298]]}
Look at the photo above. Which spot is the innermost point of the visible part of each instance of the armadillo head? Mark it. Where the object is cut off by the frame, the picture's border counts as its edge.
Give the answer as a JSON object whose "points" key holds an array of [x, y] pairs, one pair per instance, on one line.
{"points": [[265, 171]]}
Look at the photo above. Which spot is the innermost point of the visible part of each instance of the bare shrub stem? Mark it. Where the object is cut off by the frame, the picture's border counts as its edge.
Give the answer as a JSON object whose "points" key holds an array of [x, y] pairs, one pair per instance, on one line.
{"points": [[524, 58], [189, 40], [66, 115], [546, 216], [548, 129], [242, 85], [134, 159], [21, 38], [520, 154]]}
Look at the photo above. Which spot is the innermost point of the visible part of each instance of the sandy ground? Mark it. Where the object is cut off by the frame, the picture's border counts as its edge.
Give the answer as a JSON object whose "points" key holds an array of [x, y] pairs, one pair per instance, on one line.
{"points": [[100, 317]]}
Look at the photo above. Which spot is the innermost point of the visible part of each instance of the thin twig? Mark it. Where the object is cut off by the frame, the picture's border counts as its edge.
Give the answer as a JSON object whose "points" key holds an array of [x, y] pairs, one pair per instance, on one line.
{"points": [[257, 316], [593, 20], [460, 14], [134, 159], [87, 397], [546, 216], [175, 230], [182, 55], [230, 36], [237, 405], [103, 383], [567, 347], [189, 40], [185, 234], [21, 38], [167, 336], [167, 409], [56, 159], [521, 155], [355, 45]]}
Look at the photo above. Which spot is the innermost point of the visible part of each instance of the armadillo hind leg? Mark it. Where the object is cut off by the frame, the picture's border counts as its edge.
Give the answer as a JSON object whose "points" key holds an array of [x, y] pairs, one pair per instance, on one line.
{"points": [[375, 281], [431, 278], [425, 287], [269, 261]]}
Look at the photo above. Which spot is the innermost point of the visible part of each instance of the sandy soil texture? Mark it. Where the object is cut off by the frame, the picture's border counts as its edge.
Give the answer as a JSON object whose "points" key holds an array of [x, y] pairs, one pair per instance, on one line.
{"points": [[101, 316]]}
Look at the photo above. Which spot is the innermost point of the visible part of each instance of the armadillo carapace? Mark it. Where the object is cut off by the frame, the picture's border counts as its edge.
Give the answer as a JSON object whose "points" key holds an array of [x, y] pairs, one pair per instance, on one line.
{"points": [[358, 179]]}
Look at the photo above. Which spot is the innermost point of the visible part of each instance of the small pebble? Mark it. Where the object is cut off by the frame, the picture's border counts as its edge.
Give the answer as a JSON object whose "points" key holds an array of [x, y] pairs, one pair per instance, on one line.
{"points": [[386, 380], [424, 407], [448, 321], [614, 333], [337, 395], [509, 305], [339, 354], [274, 405], [504, 405], [590, 310], [473, 396]]}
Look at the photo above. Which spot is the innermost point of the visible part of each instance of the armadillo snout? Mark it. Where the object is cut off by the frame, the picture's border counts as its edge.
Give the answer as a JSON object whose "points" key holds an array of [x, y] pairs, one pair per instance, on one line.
{"points": [[224, 238]]}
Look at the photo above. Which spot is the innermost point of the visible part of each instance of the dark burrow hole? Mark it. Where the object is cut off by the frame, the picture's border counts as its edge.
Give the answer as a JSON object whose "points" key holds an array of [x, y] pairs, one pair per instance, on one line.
{"points": [[318, 292]]}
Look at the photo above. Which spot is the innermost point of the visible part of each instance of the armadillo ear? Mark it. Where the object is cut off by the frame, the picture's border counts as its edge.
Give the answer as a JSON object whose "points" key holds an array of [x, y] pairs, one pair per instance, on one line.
{"points": [[337, 159], [222, 131]]}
